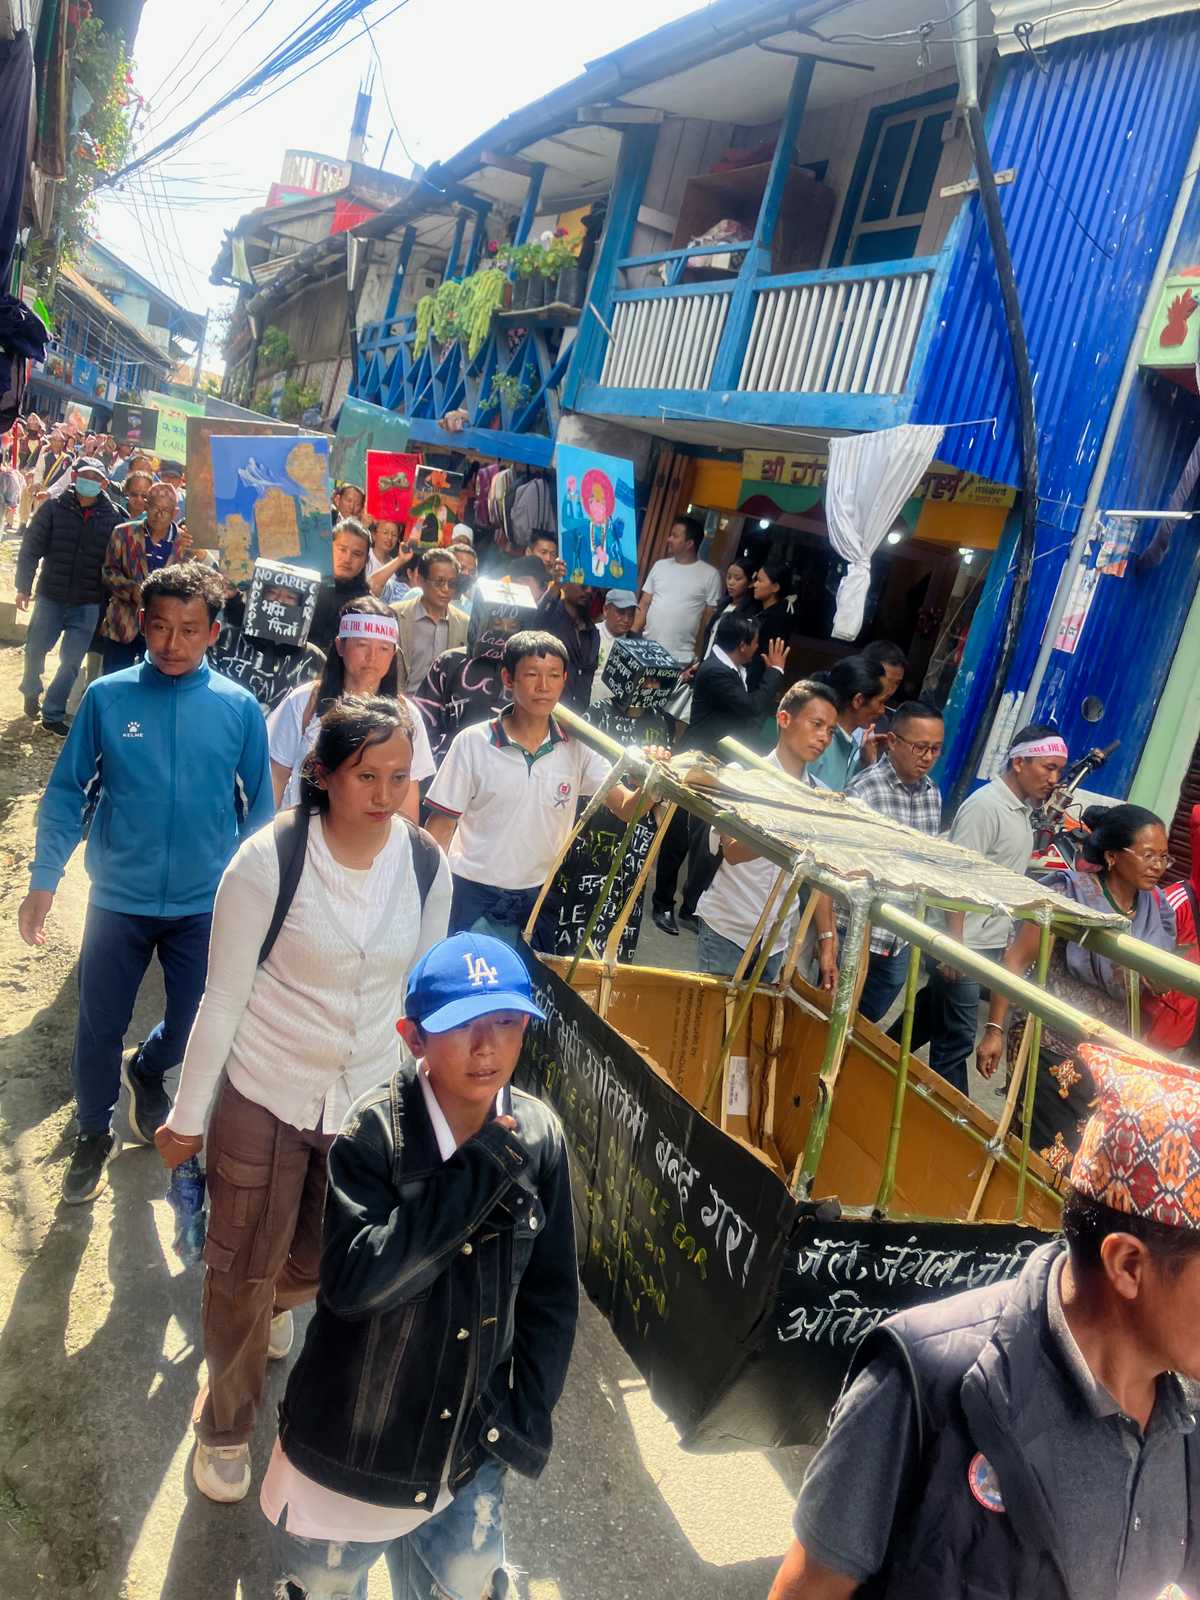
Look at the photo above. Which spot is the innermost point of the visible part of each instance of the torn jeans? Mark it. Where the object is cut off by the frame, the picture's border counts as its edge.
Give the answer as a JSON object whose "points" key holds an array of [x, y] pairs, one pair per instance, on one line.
{"points": [[458, 1554]]}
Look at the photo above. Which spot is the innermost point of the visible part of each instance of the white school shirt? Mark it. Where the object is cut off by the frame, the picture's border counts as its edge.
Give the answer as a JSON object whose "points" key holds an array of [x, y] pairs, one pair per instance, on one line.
{"points": [[314, 1512], [290, 741], [681, 594], [733, 902], [514, 810]]}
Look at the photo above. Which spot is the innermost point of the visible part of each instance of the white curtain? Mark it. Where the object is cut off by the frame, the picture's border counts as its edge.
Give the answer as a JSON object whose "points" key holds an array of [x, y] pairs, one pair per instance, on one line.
{"points": [[871, 475]]}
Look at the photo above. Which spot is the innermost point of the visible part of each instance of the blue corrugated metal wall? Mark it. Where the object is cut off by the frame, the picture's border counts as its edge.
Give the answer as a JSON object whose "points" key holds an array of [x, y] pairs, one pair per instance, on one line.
{"points": [[1109, 127]]}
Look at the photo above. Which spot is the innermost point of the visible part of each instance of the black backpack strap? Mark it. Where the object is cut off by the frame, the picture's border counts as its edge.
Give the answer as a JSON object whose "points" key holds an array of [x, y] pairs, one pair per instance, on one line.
{"points": [[291, 844], [427, 858]]}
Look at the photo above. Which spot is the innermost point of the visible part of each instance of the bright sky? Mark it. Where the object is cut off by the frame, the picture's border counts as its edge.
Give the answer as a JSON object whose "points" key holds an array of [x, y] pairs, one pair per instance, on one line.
{"points": [[451, 69]]}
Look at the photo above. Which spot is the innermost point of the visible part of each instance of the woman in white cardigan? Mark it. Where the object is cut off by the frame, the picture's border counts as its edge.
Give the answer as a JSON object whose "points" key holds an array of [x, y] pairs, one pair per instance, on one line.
{"points": [[294, 1038]]}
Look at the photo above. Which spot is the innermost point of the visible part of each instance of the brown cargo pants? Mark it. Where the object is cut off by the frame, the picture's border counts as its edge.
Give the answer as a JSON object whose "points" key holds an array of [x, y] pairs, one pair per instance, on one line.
{"points": [[266, 1186]]}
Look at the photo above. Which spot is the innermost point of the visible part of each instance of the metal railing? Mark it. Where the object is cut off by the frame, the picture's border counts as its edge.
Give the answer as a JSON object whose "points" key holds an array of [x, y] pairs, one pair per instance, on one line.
{"points": [[666, 338], [852, 333]]}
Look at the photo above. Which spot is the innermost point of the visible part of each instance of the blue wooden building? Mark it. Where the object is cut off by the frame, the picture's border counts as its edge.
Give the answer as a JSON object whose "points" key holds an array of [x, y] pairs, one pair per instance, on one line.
{"points": [[848, 285]]}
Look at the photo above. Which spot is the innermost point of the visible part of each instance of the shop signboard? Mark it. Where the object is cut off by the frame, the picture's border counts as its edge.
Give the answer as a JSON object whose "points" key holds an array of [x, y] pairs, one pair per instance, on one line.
{"points": [[795, 482]]}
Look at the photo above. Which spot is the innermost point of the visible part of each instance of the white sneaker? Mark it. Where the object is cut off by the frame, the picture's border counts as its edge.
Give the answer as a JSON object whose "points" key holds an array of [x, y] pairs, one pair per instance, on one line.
{"points": [[283, 1332], [222, 1472]]}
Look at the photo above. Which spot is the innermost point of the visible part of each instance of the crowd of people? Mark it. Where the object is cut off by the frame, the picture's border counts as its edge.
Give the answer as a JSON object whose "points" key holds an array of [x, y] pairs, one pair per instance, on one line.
{"points": [[316, 837]]}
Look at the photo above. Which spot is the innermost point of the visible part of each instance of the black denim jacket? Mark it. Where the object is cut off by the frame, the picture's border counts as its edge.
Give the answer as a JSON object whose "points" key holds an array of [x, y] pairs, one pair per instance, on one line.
{"points": [[447, 1306]]}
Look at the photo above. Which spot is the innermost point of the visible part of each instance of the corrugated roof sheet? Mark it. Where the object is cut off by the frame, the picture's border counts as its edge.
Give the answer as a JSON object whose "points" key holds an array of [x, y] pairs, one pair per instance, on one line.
{"points": [[1051, 22]]}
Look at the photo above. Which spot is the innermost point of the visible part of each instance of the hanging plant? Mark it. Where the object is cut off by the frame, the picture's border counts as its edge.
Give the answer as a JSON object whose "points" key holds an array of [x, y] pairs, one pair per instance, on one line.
{"points": [[424, 325], [483, 295], [507, 388], [447, 306]]}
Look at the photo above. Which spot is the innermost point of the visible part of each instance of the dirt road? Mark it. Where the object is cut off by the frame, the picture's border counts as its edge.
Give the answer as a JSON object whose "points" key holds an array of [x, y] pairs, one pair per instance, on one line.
{"points": [[100, 1358]]}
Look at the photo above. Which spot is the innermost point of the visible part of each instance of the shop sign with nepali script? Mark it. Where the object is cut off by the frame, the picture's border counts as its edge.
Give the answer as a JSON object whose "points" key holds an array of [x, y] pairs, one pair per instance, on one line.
{"points": [[796, 483]]}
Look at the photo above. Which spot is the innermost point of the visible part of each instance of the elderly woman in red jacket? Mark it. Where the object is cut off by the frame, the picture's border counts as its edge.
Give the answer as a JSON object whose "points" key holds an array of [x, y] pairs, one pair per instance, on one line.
{"points": [[135, 550]]}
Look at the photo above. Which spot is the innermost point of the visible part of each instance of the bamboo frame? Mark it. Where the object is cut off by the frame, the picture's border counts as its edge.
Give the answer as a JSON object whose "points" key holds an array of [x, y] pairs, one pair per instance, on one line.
{"points": [[1005, 1120], [887, 1178], [844, 1000], [1034, 1034]]}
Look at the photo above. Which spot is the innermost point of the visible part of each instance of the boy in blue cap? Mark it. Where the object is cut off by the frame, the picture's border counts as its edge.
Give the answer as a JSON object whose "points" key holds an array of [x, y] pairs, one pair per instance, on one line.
{"points": [[447, 1305]]}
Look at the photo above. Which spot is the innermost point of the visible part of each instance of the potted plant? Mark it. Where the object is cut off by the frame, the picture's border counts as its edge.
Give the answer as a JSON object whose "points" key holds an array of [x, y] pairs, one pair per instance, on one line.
{"points": [[482, 296], [524, 261], [507, 389], [562, 267]]}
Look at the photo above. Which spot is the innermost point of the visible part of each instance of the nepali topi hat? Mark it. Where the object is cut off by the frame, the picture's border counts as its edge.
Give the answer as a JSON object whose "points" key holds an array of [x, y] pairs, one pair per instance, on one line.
{"points": [[1141, 1146]]}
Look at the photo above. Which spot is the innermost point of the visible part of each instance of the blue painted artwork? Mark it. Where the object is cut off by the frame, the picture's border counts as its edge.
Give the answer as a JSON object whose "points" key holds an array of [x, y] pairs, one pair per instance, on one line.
{"points": [[271, 494], [362, 427], [86, 376], [597, 522]]}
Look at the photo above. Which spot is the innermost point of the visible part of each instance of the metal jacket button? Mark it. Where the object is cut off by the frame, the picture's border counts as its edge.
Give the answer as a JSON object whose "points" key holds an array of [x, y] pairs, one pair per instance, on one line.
{"points": [[492, 1435], [445, 1415], [463, 1333], [420, 1497], [532, 1224], [467, 1250]]}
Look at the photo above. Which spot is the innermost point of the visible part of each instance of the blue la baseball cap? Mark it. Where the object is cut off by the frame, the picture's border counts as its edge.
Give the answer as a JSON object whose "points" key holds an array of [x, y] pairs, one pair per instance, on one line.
{"points": [[464, 977]]}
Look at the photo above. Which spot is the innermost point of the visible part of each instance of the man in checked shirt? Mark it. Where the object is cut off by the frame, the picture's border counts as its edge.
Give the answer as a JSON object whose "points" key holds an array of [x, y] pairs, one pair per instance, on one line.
{"points": [[898, 785]]}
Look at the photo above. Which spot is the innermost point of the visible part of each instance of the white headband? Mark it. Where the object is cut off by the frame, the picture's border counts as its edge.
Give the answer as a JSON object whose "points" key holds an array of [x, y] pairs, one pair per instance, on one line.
{"points": [[1050, 746], [363, 625]]}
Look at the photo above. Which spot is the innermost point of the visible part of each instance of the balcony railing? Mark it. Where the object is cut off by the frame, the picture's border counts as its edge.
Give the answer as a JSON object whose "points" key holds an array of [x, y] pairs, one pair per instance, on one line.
{"points": [[849, 331]]}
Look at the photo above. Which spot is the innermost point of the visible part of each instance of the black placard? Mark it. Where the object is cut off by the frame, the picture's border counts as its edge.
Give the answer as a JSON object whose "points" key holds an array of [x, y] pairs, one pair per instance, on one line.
{"points": [[281, 602], [134, 424], [639, 672], [681, 1230]]}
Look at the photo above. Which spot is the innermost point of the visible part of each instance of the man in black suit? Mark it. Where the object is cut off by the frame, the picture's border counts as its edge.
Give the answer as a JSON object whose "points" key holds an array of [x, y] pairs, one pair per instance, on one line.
{"points": [[721, 705]]}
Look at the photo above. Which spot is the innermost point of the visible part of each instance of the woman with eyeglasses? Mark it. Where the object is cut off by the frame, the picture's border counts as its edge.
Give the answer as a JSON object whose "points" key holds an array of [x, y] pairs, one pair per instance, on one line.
{"points": [[1125, 855]]}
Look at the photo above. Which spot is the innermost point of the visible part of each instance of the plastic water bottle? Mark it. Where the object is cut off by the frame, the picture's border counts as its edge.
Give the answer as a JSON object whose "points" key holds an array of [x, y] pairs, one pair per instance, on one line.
{"points": [[185, 1195]]}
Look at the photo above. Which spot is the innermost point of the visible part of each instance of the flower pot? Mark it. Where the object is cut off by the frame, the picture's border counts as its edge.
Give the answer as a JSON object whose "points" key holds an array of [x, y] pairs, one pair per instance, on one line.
{"points": [[520, 293], [571, 286], [537, 291], [506, 303]]}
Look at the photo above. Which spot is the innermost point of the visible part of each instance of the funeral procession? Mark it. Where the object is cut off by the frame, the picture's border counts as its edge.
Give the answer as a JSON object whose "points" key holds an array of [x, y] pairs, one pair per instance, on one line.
{"points": [[600, 800]]}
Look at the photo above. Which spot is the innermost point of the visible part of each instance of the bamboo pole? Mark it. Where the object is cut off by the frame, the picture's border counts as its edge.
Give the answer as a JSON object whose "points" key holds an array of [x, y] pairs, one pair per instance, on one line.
{"points": [[1005, 1121], [1034, 1032], [1134, 983], [835, 1048], [1166, 970], [887, 1178], [747, 995]]}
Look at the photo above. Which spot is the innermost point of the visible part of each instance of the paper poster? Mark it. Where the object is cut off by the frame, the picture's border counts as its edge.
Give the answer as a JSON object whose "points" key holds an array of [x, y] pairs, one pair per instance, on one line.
{"points": [[170, 443], [78, 416], [597, 524], [85, 375], [362, 427], [1116, 544], [438, 500], [1079, 603], [272, 500], [134, 425], [391, 477], [201, 502]]}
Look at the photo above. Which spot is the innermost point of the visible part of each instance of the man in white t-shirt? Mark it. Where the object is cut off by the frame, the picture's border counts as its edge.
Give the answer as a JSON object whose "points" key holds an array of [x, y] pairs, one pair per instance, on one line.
{"points": [[680, 595]]}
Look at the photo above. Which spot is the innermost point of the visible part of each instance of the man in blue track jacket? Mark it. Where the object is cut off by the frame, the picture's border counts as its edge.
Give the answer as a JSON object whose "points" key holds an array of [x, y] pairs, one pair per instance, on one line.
{"points": [[166, 766]]}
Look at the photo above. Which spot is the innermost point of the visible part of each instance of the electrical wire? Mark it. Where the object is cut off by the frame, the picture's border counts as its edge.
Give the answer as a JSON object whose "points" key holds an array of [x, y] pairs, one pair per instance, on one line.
{"points": [[186, 59], [302, 42], [387, 99]]}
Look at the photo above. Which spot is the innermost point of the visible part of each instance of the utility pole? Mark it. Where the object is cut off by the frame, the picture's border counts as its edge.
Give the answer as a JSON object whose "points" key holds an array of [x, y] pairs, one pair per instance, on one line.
{"points": [[199, 358]]}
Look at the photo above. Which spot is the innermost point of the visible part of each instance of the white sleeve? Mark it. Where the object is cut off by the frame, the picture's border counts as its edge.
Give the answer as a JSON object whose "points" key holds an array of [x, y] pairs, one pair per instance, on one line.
{"points": [[650, 587], [712, 595], [435, 917], [454, 787], [242, 914], [423, 765], [285, 728], [593, 771]]}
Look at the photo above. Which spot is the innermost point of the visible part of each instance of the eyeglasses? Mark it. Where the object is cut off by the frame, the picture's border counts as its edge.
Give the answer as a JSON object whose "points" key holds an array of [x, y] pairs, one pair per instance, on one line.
{"points": [[1149, 858], [440, 583], [920, 749]]}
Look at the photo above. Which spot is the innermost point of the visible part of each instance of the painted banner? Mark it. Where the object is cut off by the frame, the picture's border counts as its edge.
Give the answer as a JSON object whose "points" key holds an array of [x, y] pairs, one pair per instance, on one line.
{"points": [[85, 375], [597, 521], [272, 500], [201, 500], [171, 441], [438, 501], [362, 427], [391, 479]]}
